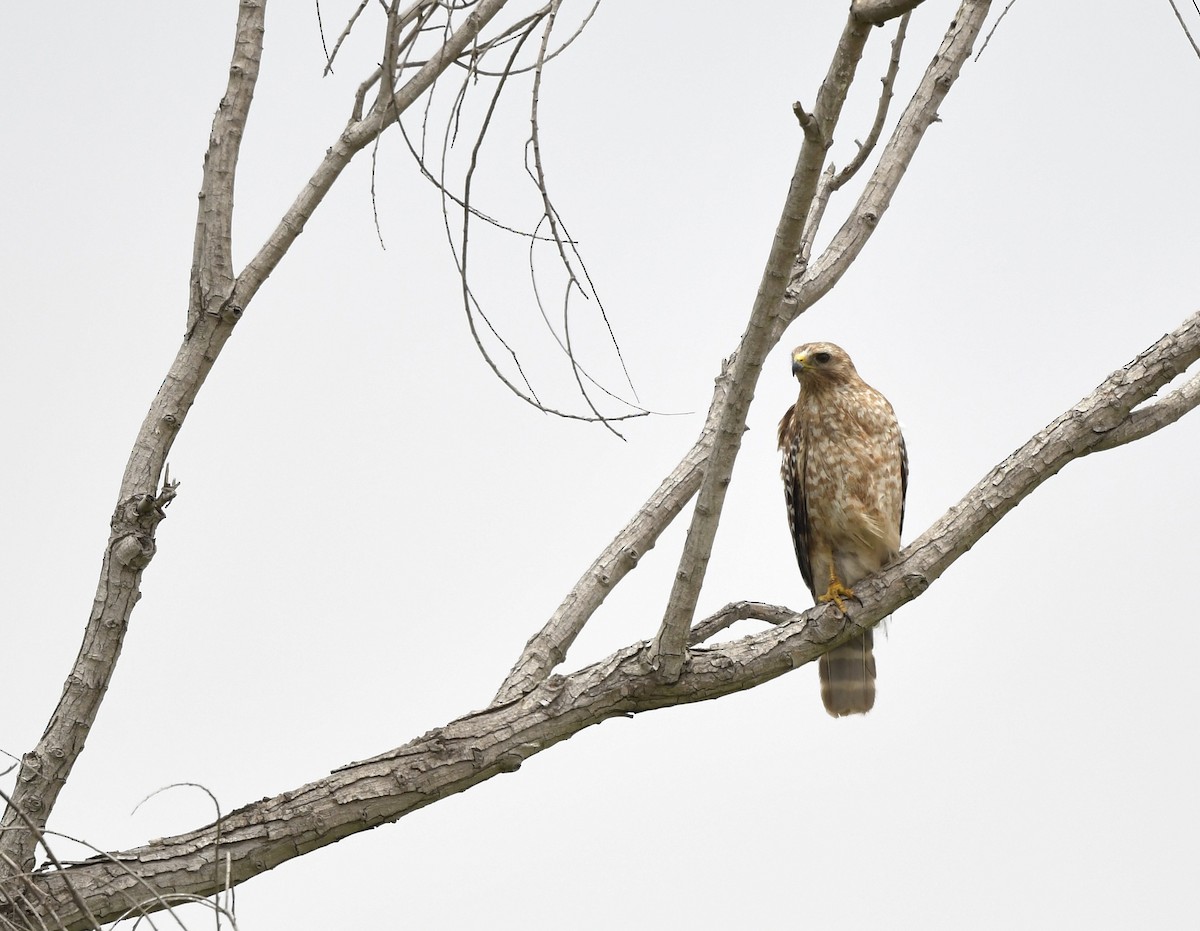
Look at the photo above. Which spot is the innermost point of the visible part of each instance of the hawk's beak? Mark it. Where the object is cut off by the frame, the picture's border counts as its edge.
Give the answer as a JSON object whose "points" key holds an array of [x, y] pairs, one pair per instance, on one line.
{"points": [[798, 362]]}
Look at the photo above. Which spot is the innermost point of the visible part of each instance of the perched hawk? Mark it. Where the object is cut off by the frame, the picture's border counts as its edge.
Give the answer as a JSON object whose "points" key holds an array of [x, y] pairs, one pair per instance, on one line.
{"points": [[845, 473]]}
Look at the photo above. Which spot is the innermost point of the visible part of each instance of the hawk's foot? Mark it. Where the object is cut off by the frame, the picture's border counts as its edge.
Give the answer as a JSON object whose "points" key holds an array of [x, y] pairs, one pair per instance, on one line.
{"points": [[835, 593]]}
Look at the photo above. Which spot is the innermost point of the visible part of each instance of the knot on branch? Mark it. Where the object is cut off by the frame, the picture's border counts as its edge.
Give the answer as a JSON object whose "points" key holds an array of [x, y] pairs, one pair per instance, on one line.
{"points": [[134, 523], [808, 122], [831, 622], [134, 551]]}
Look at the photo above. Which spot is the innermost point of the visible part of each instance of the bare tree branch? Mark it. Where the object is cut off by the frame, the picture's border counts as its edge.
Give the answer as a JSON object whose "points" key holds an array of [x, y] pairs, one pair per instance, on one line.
{"points": [[474, 748], [770, 318], [809, 283], [878, 12], [567, 254], [356, 135], [1183, 26], [562, 241], [830, 181], [216, 303], [738, 611], [866, 147], [548, 647], [668, 651], [1153, 417], [996, 25], [330, 56], [39, 836], [141, 503]]}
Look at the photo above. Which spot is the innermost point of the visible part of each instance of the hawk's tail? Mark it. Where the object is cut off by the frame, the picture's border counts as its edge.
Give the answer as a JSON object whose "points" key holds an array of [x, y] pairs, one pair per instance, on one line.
{"points": [[848, 677]]}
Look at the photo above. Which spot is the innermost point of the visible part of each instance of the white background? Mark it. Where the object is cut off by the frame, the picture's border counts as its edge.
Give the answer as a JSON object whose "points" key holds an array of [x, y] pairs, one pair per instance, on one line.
{"points": [[369, 525]]}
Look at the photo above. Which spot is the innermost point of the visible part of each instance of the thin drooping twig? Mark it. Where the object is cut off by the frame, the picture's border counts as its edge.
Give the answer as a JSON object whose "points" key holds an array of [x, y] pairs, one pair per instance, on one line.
{"points": [[562, 241], [461, 255], [439, 183], [550, 56], [1183, 26], [460, 241], [541, 306], [995, 26], [330, 56], [477, 746], [392, 46], [321, 33], [160, 900], [550, 215], [738, 611], [350, 141]]}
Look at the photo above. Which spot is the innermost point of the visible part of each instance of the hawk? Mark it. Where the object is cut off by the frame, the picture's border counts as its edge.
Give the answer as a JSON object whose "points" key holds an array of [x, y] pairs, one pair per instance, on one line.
{"points": [[845, 474]]}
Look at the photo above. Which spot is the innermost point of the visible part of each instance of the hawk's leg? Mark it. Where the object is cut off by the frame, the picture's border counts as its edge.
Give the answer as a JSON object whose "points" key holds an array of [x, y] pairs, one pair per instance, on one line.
{"points": [[836, 591]]}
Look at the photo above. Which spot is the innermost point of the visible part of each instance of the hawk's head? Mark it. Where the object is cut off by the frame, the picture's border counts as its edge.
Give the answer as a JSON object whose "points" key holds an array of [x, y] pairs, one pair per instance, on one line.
{"points": [[818, 364]]}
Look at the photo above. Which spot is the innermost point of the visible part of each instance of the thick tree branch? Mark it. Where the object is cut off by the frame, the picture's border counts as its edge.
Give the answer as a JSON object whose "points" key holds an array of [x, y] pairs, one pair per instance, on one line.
{"points": [[810, 283], [480, 745], [772, 313], [216, 304], [878, 12], [669, 648], [1153, 417], [548, 647], [44, 770]]}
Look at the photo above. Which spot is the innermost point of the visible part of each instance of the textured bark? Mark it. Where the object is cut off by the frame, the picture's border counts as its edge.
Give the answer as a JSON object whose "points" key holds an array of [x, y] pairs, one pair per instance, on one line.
{"points": [[806, 285], [533, 710], [771, 314], [809, 284], [669, 647], [878, 12], [216, 303], [483, 744], [131, 546], [1153, 417]]}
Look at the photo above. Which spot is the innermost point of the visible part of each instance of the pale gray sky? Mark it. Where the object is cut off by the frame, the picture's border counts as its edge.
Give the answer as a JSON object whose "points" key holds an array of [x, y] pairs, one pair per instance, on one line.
{"points": [[370, 526]]}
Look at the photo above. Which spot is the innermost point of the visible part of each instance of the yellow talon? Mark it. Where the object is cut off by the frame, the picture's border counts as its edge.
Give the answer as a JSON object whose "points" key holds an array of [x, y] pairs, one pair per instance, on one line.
{"points": [[836, 591]]}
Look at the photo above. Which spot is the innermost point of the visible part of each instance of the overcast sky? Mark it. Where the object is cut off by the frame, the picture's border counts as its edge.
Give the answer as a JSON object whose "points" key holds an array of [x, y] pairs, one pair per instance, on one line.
{"points": [[370, 526]]}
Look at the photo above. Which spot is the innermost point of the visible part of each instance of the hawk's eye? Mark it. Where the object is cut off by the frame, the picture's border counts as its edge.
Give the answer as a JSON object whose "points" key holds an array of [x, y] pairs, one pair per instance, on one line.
{"points": [[822, 357]]}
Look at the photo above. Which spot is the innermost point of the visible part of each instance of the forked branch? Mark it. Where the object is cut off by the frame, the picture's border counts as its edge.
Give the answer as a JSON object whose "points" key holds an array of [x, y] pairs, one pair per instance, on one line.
{"points": [[546, 649], [216, 303], [141, 501], [669, 648], [477, 746], [771, 315]]}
